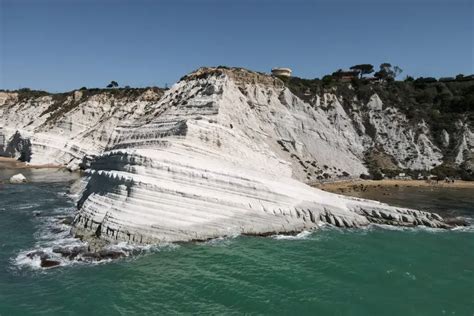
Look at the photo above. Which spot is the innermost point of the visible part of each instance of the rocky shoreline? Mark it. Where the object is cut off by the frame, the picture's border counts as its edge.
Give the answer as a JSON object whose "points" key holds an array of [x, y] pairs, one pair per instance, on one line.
{"points": [[93, 249]]}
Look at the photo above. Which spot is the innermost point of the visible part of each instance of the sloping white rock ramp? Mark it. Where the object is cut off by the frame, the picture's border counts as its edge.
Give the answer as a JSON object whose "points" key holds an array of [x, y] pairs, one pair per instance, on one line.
{"points": [[206, 162]]}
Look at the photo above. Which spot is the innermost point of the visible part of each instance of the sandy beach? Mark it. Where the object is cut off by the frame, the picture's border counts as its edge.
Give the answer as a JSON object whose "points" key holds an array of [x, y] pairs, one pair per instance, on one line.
{"points": [[12, 163], [363, 185]]}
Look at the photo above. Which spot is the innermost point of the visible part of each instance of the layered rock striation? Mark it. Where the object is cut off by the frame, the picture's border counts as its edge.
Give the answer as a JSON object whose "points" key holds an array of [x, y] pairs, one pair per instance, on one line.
{"points": [[65, 128], [223, 152]]}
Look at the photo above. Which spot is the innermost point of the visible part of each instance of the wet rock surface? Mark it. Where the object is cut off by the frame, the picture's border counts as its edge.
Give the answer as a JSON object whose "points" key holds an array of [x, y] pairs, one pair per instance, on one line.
{"points": [[45, 260], [104, 255], [83, 253], [70, 253], [47, 263]]}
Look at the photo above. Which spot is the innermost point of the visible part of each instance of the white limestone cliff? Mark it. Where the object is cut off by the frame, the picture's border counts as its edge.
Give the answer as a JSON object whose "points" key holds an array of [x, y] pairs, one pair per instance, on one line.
{"points": [[66, 138], [208, 163], [223, 152]]}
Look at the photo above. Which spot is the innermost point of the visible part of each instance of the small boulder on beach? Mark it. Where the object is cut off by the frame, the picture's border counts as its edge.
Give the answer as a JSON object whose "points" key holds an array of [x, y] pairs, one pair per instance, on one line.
{"points": [[18, 178]]}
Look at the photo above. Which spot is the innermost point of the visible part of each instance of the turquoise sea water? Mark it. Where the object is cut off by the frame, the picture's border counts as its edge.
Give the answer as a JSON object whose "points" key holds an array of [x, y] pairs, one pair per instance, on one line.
{"points": [[374, 271]]}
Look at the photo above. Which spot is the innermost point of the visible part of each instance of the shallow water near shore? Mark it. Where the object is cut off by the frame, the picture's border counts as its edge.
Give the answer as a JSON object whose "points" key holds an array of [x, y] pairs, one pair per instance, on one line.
{"points": [[372, 271]]}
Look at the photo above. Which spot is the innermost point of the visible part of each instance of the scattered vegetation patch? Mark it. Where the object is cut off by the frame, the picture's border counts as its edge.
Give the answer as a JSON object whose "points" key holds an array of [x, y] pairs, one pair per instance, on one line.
{"points": [[441, 104], [67, 101]]}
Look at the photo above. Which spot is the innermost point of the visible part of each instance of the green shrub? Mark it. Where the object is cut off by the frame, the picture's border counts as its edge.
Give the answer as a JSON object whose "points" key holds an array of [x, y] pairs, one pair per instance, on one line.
{"points": [[377, 175]]}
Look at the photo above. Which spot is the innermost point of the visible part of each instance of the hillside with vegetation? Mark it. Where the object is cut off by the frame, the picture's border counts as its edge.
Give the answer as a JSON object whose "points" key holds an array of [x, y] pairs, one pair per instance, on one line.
{"points": [[445, 106]]}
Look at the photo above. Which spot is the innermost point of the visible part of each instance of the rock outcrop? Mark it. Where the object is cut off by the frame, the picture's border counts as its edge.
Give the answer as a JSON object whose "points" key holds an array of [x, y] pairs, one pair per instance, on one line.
{"points": [[223, 152], [18, 178], [65, 129]]}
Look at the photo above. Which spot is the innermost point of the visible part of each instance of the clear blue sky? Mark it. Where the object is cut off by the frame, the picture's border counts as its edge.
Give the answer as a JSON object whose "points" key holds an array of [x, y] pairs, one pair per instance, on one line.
{"points": [[63, 45]]}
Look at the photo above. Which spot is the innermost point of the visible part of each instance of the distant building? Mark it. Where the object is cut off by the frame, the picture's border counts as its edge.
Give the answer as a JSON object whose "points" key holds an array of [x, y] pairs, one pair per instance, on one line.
{"points": [[282, 72]]}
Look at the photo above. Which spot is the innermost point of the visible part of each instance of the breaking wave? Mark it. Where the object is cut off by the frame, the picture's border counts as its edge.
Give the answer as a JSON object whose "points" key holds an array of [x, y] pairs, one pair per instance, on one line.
{"points": [[303, 235]]}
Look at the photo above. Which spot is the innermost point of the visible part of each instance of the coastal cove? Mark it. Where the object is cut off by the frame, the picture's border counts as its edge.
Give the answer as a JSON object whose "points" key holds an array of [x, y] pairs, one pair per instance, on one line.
{"points": [[374, 270]]}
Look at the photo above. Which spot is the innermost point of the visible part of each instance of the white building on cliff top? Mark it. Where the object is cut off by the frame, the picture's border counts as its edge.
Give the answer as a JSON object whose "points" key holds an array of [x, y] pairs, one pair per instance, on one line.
{"points": [[284, 72]]}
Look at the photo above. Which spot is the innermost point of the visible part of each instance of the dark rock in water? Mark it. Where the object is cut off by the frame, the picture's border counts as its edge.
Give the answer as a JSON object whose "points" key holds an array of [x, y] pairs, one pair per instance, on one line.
{"points": [[108, 254], [104, 255], [46, 263], [56, 230], [83, 253], [70, 253], [456, 221], [37, 253], [36, 213]]}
